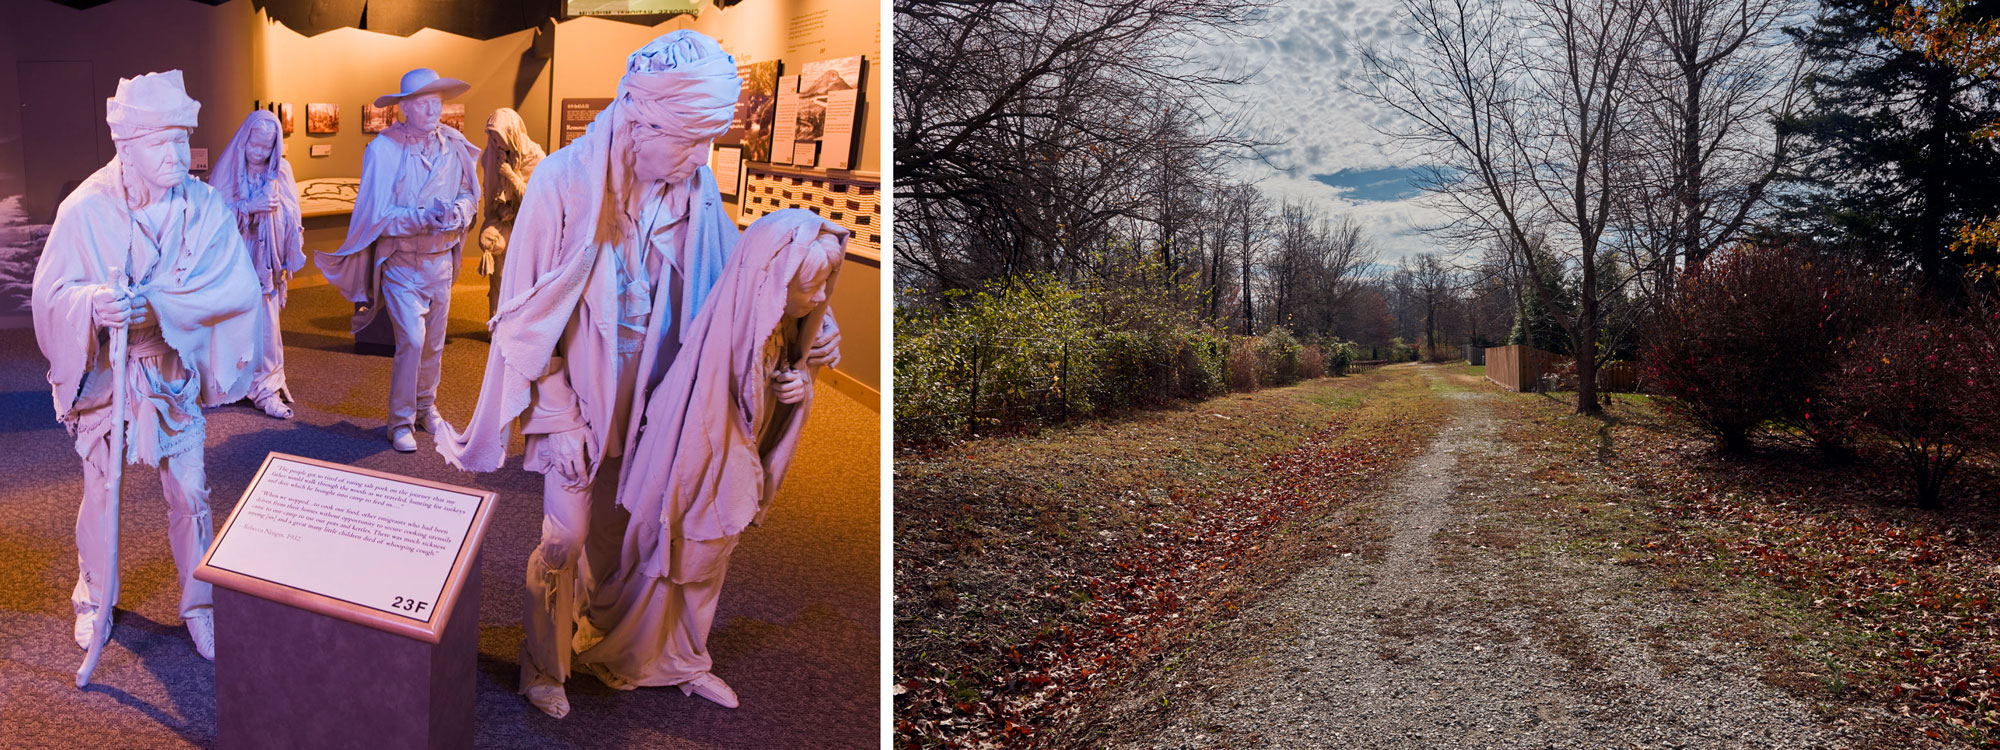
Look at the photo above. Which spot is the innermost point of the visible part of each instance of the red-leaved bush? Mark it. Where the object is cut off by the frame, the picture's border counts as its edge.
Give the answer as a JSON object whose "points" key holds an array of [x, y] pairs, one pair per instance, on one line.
{"points": [[1924, 383], [1749, 339]]}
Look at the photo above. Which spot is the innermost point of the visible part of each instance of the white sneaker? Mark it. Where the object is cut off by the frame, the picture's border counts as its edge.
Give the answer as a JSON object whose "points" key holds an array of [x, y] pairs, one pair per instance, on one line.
{"points": [[551, 699], [429, 420], [85, 624], [709, 686], [202, 628], [403, 440]]}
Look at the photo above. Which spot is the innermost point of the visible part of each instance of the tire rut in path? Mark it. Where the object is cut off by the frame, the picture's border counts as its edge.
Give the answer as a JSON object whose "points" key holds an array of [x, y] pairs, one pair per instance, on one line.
{"points": [[1443, 643]]}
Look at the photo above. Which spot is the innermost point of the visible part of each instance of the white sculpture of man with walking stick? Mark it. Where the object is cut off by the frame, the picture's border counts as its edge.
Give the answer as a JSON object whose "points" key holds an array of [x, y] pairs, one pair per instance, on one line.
{"points": [[145, 253]]}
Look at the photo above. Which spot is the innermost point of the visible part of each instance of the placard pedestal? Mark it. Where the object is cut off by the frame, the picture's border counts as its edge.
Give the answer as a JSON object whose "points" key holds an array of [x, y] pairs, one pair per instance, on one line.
{"points": [[346, 609], [298, 679]]}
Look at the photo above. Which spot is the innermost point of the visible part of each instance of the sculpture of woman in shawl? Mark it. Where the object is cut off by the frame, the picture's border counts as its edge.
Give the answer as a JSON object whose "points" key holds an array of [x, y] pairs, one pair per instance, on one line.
{"points": [[721, 431], [509, 158], [254, 178]]}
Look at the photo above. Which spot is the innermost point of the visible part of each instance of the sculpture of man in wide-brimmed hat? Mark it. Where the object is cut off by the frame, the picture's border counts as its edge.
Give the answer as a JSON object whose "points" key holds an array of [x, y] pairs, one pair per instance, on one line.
{"points": [[419, 194], [619, 240], [145, 258]]}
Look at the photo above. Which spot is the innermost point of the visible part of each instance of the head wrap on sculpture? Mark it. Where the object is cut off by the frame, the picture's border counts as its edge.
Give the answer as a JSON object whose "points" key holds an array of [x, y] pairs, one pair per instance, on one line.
{"points": [[236, 178], [507, 142], [683, 82], [148, 104]]}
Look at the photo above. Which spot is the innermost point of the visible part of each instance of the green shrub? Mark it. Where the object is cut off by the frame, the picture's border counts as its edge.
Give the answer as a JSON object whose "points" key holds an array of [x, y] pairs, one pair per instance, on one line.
{"points": [[1278, 357]]}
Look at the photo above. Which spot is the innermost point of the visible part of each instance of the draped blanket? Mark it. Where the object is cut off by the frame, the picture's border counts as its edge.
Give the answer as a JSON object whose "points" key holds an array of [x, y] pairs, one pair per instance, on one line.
{"points": [[202, 290], [567, 224]]}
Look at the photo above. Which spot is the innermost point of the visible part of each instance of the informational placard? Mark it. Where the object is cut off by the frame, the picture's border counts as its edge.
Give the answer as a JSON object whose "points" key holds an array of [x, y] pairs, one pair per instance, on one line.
{"points": [[197, 160], [784, 135], [321, 149], [364, 546], [577, 115], [837, 138], [727, 164]]}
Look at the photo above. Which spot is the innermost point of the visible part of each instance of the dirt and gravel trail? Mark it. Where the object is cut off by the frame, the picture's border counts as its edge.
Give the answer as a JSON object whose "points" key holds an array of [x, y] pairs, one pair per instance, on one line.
{"points": [[1460, 635]]}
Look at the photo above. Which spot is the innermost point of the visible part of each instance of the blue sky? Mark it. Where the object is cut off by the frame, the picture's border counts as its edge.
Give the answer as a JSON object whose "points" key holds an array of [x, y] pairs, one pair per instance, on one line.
{"points": [[1330, 151]]}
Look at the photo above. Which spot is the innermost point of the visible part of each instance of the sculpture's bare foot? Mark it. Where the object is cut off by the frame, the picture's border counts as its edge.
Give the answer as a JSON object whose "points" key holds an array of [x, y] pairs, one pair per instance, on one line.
{"points": [[85, 625], [274, 405], [202, 628], [709, 686], [551, 699], [403, 440]]}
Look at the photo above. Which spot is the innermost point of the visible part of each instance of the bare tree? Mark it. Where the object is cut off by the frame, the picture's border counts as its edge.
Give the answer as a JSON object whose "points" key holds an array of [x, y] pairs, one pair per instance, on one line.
{"points": [[1715, 78], [1521, 116], [1026, 131]]}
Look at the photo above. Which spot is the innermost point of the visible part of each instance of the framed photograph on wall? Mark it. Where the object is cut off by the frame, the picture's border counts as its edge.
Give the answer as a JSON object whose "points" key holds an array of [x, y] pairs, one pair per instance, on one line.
{"points": [[377, 119], [756, 110], [454, 115], [322, 119], [284, 112]]}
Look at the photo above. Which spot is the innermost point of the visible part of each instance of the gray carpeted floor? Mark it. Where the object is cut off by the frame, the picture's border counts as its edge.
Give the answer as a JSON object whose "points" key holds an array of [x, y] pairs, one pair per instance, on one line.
{"points": [[797, 634]]}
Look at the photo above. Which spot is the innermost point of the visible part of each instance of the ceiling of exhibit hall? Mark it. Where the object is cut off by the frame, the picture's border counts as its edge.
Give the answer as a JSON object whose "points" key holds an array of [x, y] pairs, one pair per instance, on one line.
{"points": [[479, 19]]}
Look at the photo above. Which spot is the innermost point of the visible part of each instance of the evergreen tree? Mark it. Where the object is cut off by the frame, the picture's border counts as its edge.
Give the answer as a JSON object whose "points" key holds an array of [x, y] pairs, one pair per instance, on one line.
{"points": [[1533, 325], [1889, 169]]}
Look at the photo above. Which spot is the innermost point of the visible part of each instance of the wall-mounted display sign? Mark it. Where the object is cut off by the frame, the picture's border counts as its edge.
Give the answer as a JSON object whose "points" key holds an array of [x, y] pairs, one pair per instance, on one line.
{"points": [[784, 134], [577, 115], [756, 110], [727, 164], [829, 95], [629, 7]]}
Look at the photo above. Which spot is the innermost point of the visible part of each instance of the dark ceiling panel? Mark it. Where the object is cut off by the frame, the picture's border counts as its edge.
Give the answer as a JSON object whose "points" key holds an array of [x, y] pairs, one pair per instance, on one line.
{"points": [[479, 19]]}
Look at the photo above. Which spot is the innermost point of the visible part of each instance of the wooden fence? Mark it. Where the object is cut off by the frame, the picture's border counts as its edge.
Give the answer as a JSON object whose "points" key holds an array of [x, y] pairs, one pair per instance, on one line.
{"points": [[1520, 368]]}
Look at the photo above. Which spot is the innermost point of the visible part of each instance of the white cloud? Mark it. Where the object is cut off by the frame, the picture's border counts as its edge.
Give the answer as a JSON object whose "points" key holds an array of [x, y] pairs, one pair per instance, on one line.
{"points": [[1304, 51]]}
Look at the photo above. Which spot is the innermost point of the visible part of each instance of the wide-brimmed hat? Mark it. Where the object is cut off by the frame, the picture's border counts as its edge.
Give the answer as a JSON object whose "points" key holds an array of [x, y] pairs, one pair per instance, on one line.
{"points": [[424, 81]]}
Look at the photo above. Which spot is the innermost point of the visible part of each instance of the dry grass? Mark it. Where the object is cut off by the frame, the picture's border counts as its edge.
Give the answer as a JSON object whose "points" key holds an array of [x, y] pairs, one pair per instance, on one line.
{"points": [[1035, 573], [1874, 612]]}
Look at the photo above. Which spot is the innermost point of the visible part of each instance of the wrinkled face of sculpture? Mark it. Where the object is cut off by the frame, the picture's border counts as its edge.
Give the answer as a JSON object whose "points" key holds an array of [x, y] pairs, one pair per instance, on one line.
{"points": [[263, 140], [423, 112], [809, 288], [659, 154], [160, 158]]}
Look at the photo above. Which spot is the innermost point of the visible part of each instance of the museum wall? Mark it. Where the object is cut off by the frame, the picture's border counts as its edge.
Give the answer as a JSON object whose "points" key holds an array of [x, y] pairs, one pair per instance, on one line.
{"points": [[590, 56], [350, 67], [60, 64]]}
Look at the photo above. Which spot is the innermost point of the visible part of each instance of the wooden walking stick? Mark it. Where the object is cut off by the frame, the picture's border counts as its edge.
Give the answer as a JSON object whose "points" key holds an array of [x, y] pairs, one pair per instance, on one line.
{"points": [[112, 480]]}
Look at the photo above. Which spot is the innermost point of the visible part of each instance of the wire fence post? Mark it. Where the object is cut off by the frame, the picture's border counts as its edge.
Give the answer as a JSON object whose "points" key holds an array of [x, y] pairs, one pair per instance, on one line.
{"points": [[972, 405], [1062, 381]]}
